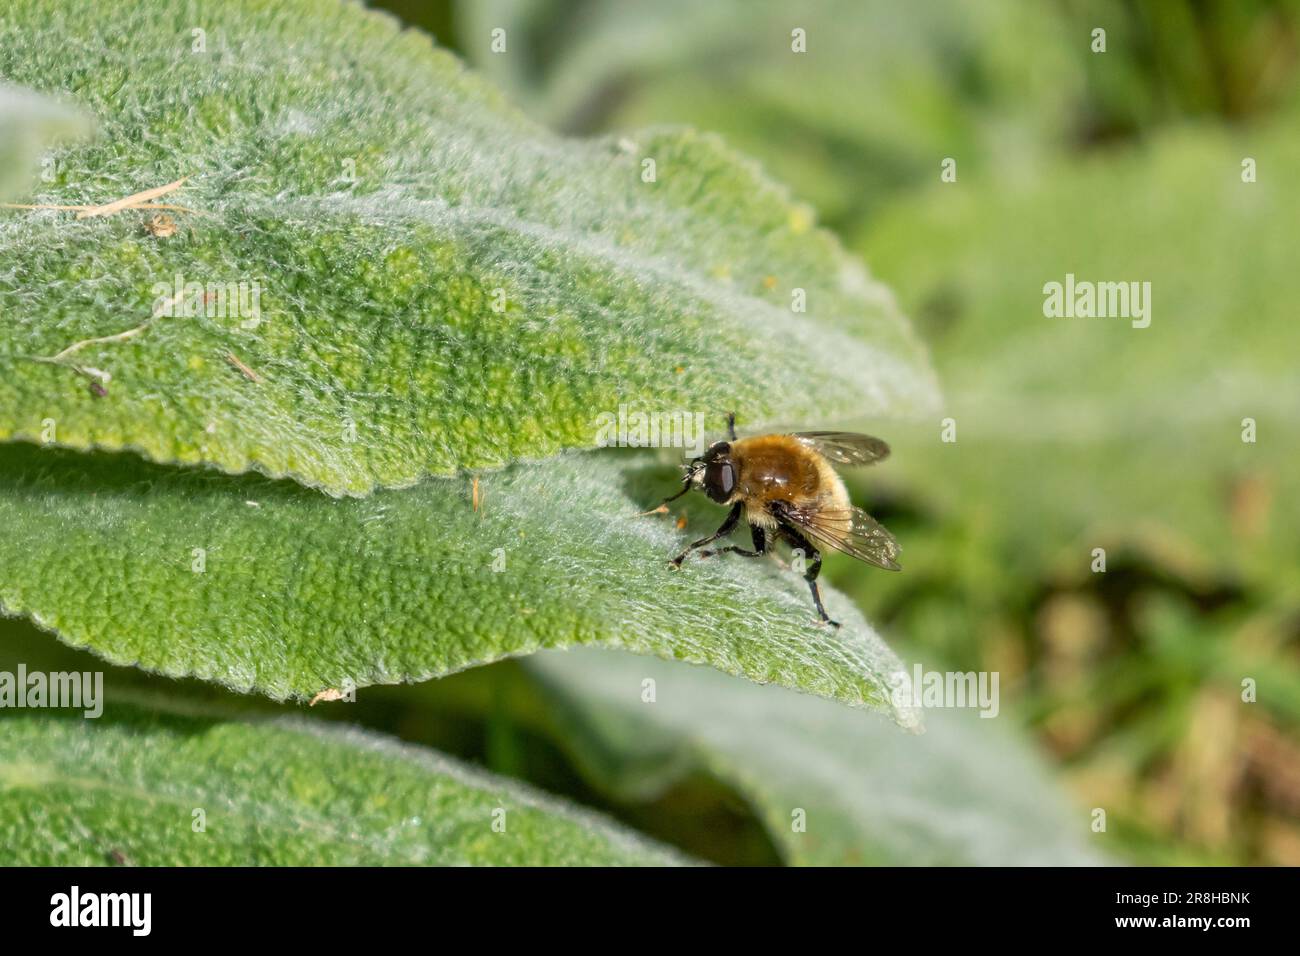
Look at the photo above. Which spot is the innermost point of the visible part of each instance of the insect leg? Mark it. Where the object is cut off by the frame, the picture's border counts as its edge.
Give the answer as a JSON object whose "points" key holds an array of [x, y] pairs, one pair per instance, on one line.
{"points": [[732, 518], [760, 546], [797, 540], [663, 505]]}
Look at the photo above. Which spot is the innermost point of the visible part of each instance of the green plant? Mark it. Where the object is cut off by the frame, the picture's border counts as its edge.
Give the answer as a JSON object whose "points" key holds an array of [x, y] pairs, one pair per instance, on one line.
{"points": [[1074, 434], [286, 491]]}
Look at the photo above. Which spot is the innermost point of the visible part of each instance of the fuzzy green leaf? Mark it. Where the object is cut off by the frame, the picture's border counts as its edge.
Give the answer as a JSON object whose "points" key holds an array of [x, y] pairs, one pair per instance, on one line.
{"points": [[966, 792], [429, 280], [268, 586], [123, 789]]}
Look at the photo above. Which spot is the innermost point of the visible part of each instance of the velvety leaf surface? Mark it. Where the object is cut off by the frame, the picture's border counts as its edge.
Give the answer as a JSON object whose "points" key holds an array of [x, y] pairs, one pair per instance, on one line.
{"points": [[123, 789], [966, 792], [268, 586], [393, 272]]}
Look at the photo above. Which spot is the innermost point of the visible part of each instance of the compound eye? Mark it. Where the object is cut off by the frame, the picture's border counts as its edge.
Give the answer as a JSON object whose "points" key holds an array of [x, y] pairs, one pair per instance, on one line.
{"points": [[719, 480]]}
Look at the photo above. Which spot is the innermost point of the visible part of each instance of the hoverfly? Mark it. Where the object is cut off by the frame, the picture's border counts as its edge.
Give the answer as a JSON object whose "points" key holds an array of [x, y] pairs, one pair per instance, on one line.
{"points": [[785, 485]]}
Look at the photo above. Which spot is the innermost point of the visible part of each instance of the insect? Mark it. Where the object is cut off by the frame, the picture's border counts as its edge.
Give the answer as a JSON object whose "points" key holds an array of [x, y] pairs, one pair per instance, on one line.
{"points": [[785, 486], [161, 225]]}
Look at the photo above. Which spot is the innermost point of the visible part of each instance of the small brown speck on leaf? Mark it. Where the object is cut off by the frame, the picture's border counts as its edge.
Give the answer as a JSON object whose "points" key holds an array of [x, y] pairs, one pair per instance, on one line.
{"points": [[161, 225]]}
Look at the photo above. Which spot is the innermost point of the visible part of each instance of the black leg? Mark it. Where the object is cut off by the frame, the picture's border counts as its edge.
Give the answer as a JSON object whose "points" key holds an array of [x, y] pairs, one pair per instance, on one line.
{"points": [[663, 505], [760, 546], [732, 518], [731, 425], [729, 549], [797, 540]]}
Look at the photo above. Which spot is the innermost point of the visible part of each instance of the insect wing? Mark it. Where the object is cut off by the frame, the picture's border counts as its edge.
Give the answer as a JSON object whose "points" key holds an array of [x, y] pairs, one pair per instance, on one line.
{"points": [[845, 448], [853, 532]]}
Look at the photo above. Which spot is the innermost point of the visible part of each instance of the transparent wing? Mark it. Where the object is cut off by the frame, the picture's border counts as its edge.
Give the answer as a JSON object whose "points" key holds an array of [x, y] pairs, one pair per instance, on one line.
{"points": [[853, 532], [845, 448]]}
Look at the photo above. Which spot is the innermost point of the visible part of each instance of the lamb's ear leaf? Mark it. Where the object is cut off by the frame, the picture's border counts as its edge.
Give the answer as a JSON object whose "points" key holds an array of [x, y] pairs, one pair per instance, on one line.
{"points": [[153, 782], [267, 586], [394, 273], [831, 787]]}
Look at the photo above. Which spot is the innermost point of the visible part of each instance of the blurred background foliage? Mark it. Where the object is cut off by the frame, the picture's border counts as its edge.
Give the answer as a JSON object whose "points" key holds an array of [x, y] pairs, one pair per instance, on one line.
{"points": [[1072, 434]]}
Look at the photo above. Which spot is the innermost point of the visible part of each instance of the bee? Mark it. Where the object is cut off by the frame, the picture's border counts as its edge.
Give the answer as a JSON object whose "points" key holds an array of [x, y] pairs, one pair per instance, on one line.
{"points": [[785, 487]]}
